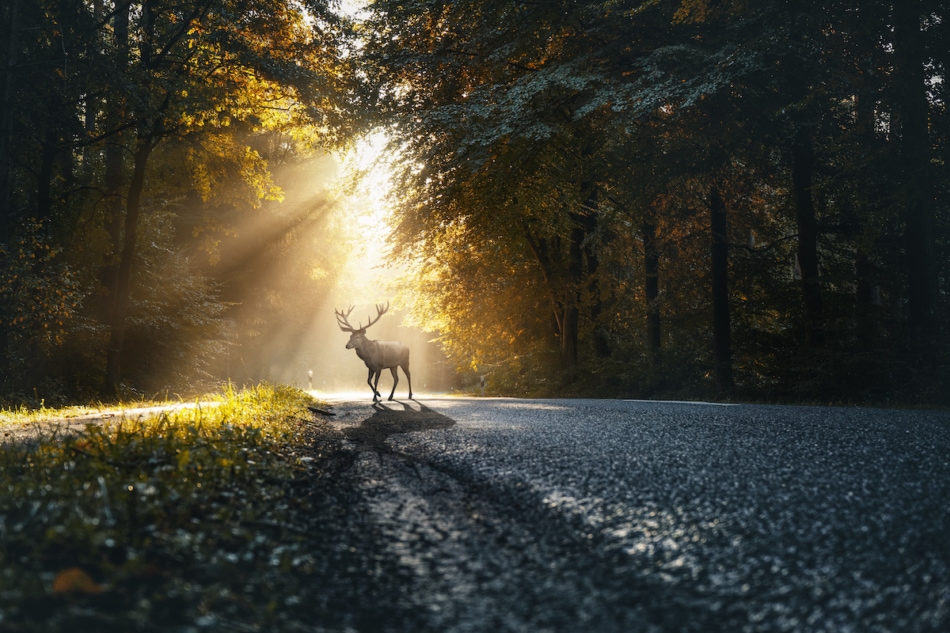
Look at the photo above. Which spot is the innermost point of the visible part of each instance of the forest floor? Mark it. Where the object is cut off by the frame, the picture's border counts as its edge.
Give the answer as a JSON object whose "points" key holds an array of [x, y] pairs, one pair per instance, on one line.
{"points": [[161, 518]]}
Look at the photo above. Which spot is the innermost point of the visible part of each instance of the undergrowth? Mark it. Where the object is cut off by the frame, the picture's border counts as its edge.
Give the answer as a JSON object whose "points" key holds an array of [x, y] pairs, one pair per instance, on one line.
{"points": [[166, 523]]}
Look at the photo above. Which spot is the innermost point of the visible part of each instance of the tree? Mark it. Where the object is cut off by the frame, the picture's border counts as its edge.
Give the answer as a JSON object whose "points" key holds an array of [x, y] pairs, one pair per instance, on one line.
{"points": [[11, 28], [916, 180], [122, 81], [193, 66], [481, 90], [719, 263], [679, 197]]}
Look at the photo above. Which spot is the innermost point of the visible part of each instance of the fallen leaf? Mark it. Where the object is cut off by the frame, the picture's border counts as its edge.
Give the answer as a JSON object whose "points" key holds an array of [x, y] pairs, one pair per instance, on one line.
{"points": [[74, 580]]}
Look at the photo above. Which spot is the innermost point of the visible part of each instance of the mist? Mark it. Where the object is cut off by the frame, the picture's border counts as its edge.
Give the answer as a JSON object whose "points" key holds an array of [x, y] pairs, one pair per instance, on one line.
{"points": [[337, 369], [286, 270]]}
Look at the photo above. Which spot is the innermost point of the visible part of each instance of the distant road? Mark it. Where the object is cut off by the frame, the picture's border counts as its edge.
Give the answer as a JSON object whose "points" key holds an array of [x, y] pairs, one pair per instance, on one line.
{"points": [[21, 431], [582, 515]]}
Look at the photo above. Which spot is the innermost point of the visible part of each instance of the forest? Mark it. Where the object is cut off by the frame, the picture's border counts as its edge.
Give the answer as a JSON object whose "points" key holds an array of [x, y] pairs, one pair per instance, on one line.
{"points": [[624, 198]]}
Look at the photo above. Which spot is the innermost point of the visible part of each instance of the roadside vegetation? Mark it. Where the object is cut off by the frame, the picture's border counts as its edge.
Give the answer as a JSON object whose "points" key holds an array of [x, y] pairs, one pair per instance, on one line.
{"points": [[172, 521]]}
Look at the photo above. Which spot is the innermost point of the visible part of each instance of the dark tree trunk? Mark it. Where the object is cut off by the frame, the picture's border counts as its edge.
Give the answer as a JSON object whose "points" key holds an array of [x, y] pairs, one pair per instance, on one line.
{"points": [[115, 166], [112, 222], [867, 298], [92, 104], [803, 167], [6, 121], [542, 253], [917, 190], [601, 335], [722, 336], [120, 306], [651, 268], [44, 178], [569, 328], [572, 300], [566, 280]]}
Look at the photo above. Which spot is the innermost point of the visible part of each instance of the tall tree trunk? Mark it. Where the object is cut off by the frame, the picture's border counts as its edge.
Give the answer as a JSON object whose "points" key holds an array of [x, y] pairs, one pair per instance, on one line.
{"points": [[44, 177], [92, 104], [6, 120], [867, 296], [651, 269], [565, 279], [803, 167], [115, 164], [120, 306], [543, 254], [722, 336], [917, 187], [572, 300], [112, 222], [600, 335], [867, 299]]}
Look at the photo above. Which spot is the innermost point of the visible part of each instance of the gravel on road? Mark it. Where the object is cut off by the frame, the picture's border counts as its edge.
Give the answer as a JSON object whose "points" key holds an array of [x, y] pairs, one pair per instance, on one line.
{"points": [[580, 515]]}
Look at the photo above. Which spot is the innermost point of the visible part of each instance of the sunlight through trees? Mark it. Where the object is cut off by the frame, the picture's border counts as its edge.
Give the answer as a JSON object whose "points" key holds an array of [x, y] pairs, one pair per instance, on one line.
{"points": [[674, 198]]}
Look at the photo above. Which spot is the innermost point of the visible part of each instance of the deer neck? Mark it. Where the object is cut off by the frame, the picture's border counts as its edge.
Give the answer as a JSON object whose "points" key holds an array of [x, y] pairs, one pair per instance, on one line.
{"points": [[365, 349]]}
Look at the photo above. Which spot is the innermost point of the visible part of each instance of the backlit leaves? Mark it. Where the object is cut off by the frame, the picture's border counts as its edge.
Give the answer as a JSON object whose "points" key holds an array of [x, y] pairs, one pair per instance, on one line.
{"points": [[39, 294]]}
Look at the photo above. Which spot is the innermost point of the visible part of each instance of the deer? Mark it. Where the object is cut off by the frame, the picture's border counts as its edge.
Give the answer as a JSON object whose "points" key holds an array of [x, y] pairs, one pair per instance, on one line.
{"points": [[378, 355]]}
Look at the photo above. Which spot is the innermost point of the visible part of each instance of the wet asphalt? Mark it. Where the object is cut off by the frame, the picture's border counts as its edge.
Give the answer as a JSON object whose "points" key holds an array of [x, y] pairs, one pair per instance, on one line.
{"points": [[497, 515]]}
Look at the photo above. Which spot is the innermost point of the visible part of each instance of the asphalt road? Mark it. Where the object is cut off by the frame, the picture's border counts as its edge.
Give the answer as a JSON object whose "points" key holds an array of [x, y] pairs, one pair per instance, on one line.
{"points": [[577, 515]]}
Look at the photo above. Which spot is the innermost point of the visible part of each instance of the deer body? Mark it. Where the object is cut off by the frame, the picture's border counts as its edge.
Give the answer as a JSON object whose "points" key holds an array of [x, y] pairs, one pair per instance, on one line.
{"points": [[378, 355]]}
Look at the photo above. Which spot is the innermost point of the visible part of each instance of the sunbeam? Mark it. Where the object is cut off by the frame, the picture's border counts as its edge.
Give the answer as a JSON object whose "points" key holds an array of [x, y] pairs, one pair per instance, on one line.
{"points": [[323, 247]]}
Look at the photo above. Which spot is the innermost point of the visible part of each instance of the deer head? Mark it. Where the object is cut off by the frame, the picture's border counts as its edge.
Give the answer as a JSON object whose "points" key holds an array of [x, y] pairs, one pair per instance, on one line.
{"points": [[358, 334], [378, 355]]}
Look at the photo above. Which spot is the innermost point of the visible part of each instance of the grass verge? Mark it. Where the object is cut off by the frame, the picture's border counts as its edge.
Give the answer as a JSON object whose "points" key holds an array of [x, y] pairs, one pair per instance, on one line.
{"points": [[175, 522]]}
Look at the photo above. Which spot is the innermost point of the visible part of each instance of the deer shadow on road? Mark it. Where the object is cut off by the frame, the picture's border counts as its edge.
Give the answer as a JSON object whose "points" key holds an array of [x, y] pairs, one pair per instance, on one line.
{"points": [[392, 418]]}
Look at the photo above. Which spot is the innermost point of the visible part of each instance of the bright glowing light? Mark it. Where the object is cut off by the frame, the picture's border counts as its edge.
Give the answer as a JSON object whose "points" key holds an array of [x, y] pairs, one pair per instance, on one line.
{"points": [[353, 8], [366, 177], [368, 174], [350, 196]]}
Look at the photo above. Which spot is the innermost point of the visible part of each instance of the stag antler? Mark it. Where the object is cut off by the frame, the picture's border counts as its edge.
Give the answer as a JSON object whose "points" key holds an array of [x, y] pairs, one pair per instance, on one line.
{"points": [[341, 320], [380, 311]]}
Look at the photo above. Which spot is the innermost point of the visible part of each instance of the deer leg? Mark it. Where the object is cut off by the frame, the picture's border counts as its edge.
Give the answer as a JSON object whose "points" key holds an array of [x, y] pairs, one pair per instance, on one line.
{"points": [[395, 382], [369, 381], [405, 368], [376, 387]]}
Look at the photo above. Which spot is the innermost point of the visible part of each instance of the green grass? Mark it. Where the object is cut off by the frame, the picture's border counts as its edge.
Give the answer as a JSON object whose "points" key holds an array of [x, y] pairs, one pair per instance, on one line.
{"points": [[155, 523], [23, 415]]}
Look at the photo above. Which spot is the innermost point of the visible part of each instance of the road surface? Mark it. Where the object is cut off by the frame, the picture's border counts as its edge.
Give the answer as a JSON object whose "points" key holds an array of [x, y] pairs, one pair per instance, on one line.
{"points": [[579, 515]]}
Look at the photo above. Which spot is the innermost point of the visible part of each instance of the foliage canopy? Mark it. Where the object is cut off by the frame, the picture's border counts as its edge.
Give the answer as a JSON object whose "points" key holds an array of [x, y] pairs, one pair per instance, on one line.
{"points": [[663, 197]]}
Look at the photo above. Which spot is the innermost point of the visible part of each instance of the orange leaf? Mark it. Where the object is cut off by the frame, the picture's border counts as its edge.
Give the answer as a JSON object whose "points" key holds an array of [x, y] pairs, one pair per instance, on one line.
{"points": [[74, 580]]}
